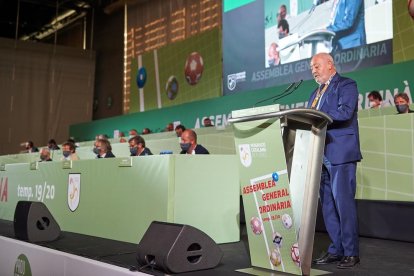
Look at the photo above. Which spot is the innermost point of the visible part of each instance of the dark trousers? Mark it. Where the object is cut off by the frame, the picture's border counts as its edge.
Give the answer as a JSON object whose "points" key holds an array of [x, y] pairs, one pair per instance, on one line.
{"points": [[337, 194]]}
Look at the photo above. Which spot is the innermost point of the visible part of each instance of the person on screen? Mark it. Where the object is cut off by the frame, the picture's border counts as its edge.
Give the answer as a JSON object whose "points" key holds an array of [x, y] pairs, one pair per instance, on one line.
{"points": [[402, 103], [283, 27], [282, 14], [45, 155], [273, 55], [337, 96], [137, 146], [179, 130], [69, 151], [103, 149], [375, 99], [189, 143], [348, 24]]}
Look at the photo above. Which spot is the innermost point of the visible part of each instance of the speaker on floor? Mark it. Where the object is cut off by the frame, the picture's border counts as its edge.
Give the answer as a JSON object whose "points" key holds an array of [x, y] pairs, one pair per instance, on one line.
{"points": [[33, 222], [177, 248]]}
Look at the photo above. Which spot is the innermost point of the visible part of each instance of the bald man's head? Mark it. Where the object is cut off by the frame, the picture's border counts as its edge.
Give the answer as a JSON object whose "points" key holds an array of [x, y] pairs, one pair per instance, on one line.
{"points": [[323, 67]]}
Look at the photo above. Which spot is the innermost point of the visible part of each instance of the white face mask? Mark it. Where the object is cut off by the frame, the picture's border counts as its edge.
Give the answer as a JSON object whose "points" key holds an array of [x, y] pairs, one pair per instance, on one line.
{"points": [[372, 104]]}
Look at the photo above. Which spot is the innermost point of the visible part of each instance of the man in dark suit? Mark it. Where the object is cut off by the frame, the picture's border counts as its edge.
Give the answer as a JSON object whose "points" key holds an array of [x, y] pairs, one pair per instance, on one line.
{"points": [[337, 96], [189, 143]]}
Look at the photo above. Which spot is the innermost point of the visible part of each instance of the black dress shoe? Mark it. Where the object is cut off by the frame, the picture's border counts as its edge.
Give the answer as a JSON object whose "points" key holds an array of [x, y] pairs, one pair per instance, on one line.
{"points": [[328, 258], [348, 262]]}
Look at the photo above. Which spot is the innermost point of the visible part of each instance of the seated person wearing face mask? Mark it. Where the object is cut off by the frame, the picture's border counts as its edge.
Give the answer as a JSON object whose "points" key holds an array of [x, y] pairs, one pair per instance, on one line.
{"points": [[45, 155], [375, 99], [69, 151], [189, 143], [132, 132], [402, 103], [137, 146], [103, 149]]}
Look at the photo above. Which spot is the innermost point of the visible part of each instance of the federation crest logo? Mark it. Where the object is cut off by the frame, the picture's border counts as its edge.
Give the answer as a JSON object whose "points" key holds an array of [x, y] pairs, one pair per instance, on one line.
{"points": [[231, 82], [233, 79], [74, 189], [245, 155]]}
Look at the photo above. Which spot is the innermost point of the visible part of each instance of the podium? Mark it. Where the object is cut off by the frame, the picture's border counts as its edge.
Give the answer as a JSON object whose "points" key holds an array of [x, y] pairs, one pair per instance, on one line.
{"points": [[281, 154]]}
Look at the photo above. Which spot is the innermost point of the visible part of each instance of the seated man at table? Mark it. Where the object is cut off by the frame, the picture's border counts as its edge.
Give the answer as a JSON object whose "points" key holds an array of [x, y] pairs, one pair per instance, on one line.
{"points": [[45, 155], [69, 151], [179, 130], [402, 103], [103, 149], [137, 146], [189, 143]]}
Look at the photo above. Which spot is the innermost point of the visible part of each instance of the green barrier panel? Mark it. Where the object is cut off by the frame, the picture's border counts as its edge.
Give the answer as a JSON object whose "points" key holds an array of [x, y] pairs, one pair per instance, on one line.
{"points": [[386, 170], [119, 198], [391, 110]]}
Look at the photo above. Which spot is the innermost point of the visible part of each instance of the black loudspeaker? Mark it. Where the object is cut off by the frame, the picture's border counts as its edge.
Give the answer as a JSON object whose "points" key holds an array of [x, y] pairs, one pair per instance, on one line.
{"points": [[177, 248], [33, 222]]}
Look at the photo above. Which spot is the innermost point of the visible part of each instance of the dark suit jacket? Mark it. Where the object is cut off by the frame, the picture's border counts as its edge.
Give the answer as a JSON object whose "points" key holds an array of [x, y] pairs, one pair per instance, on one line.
{"points": [[146, 151], [340, 102], [109, 154], [199, 149]]}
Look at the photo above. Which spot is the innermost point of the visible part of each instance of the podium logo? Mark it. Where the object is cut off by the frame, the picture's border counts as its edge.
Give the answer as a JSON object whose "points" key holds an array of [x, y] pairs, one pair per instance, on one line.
{"points": [[74, 191], [245, 155], [22, 266]]}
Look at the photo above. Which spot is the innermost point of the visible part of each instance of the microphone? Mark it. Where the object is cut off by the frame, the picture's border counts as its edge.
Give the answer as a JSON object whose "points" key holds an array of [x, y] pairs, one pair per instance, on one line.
{"points": [[278, 95], [290, 92]]}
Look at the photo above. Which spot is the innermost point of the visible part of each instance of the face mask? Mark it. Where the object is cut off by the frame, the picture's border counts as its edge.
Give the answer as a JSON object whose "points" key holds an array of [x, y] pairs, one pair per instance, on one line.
{"points": [[402, 108], [133, 151], [371, 104], [96, 150], [282, 35], [43, 157], [130, 136], [66, 153], [185, 146]]}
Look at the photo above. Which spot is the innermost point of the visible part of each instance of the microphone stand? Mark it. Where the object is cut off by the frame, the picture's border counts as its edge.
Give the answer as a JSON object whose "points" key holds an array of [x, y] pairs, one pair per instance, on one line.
{"points": [[290, 92], [279, 95]]}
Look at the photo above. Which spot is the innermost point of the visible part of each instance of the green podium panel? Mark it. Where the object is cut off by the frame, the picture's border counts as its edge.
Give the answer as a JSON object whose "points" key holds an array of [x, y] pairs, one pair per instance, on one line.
{"points": [[280, 160]]}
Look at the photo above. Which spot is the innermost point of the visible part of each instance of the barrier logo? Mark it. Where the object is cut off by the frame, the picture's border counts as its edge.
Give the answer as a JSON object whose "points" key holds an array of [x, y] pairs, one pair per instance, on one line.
{"points": [[22, 266], [4, 189], [74, 189], [245, 155]]}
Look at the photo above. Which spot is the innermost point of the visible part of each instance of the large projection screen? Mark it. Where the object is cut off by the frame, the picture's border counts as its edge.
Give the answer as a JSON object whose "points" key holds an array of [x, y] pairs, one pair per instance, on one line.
{"points": [[269, 43]]}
